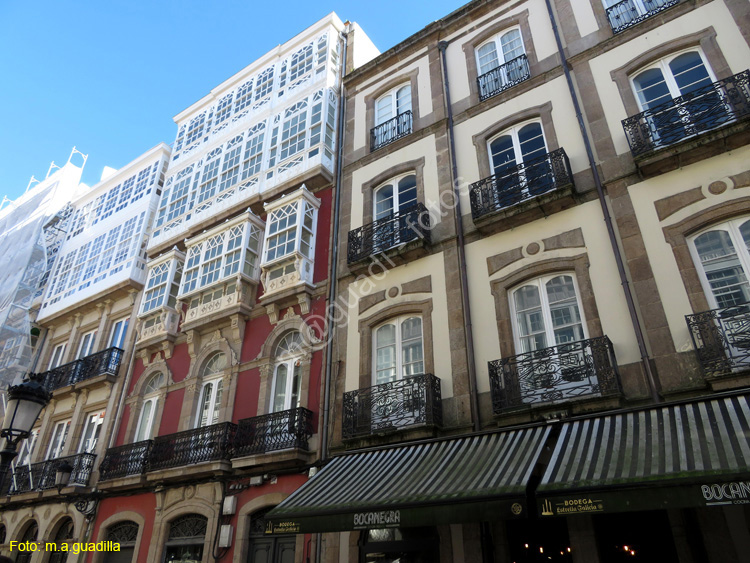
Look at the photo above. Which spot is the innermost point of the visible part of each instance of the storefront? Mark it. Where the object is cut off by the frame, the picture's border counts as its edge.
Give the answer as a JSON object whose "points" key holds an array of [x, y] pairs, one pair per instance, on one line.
{"points": [[633, 485]]}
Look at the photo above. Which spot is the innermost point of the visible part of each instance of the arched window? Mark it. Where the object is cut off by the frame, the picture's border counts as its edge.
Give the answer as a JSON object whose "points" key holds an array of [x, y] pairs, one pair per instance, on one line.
{"points": [[518, 145], [395, 196], [145, 429], [393, 116], [64, 535], [30, 534], [209, 403], [722, 259], [285, 393], [399, 350], [547, 312], [186, 538], [499, 50], [125, 533]]}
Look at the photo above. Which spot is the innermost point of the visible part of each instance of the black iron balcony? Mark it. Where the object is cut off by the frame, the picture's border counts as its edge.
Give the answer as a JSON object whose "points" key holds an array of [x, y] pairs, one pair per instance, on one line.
{"points": [[503, 77], [271, 432], [41, 476], [106, 362], [410, 224], [721, 338], [122, 461], [208, 443], [520, 183], [627, 14], [558, 373], [392, 130], [395, 405], [702, 110]]}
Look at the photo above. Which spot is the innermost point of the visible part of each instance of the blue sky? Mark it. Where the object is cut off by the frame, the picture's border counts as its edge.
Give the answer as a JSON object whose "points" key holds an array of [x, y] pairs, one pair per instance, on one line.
{"points": [[108, 76]]}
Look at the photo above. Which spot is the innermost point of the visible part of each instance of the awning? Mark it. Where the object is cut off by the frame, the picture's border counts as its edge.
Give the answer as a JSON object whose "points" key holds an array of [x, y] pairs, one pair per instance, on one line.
{"points": [[473, 478], [682, 455]]}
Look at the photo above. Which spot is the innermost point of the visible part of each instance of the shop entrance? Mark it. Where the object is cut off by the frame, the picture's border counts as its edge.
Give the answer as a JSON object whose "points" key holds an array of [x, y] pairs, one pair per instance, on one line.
{"points": [[635, 537], [266, 548], [399, 545]]}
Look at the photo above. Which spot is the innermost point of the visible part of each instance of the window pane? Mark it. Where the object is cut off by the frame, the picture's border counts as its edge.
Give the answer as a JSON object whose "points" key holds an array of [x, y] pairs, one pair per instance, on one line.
{"points": [[412, 357], [503, 155], [566, 318], [144, 425], [651, 88], [487, 55], [689, 72], [403, 100], [385, 354], [280, 388], [529, 318], [384, 202], [512, 45], [531, 140], [407, 192], [383, 110]]}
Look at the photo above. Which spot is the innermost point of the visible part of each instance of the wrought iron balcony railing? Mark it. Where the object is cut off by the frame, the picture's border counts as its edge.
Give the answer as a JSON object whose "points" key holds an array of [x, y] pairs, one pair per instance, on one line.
{"points": [[130, 459], [503, 77], [41, 476], [520, 183], [391, 130], [723, 102], [557, 373], [398, 404], [104, 362], [270, 432], [407, 225], [627, 13], [721, 338], [208, 443]]}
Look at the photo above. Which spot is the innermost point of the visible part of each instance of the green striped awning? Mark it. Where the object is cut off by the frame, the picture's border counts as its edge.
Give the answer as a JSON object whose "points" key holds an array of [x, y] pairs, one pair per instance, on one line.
{"points": [[473, 478], [680, 455]]}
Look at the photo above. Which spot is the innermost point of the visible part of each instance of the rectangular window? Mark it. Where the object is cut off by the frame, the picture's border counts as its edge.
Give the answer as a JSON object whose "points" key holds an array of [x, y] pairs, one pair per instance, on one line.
{"points": [[212, 254], [223, 109], [117, 338], [244, 96], [207, 189], [86, 347], [156, 287], [195, 129], [58, 438], [282, 227], [57, 356], [263, 84], [234, 250], [92, 427], [191, 269], [253, 151], [293, 130], [26, 449], [231, 167]]}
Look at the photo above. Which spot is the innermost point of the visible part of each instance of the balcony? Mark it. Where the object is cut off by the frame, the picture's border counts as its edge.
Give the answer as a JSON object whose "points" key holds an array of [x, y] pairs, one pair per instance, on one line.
{"points": [[713, 114], [503, 77], [234, 296], [413, 401], [392, 130], [548, 174], [124, 461], [721, 338], [208, 443], [41, 476], [555, 374], [396, 231], [272, 432], [628, 13], [106, 362]]}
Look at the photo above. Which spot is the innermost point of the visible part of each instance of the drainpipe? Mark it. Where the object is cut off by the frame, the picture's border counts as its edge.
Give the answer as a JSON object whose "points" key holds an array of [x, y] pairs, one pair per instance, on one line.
{"points": [[459, 225], [343, 38], [607, 217]]}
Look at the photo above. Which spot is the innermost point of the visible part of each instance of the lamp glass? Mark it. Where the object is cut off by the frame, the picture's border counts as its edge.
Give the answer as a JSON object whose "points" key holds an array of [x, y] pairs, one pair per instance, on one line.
{"points": [[62, 475], [20, 416]]}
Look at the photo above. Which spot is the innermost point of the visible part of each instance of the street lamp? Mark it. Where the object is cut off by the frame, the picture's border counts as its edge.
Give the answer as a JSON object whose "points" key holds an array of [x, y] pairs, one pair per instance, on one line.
{"points": [[25, 402]]}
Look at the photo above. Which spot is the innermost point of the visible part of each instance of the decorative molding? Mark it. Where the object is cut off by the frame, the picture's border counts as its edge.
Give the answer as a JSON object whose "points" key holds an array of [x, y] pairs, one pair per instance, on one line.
{"points": [[304, 303], [273, 313]]}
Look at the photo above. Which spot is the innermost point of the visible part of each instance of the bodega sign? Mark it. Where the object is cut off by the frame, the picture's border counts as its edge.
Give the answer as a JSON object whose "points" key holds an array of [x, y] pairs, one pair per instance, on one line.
{"points": [[718, 494], [380, 519]]}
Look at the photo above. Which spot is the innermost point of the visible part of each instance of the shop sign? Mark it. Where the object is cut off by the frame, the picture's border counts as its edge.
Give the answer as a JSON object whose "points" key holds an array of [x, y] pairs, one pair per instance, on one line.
{"points": [[565, 507], [380, 519], [735, 492], [288, 527]]}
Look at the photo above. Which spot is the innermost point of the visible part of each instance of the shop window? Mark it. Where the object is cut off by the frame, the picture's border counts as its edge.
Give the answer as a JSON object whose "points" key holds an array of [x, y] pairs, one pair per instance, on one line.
{"points": [[392, 545], [186, 539], [125, 533]]}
